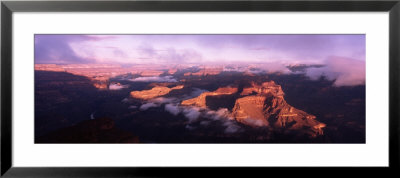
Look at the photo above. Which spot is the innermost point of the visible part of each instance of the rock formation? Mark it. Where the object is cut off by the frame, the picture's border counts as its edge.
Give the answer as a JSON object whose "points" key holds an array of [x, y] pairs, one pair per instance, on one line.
{"points": [[264, 105], [154, 92], [264, 88], [201, 100], [100, 84]]}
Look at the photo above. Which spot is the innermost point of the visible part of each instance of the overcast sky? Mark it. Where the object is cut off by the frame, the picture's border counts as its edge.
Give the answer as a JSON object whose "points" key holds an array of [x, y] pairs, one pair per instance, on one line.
{"points": [[169, 49]]}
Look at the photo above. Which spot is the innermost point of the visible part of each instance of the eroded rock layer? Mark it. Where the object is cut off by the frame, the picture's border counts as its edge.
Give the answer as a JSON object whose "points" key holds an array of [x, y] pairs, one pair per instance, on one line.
{"points": [[264, 105], [154, 92]]}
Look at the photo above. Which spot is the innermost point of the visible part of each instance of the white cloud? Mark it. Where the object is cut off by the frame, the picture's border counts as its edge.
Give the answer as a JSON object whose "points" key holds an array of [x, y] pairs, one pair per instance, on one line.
{"points": [[253, 122], [147, 106], [132, 107], [192, 113], [195, 93], [162, 100], [274, 67], [172, 108], [114, 86], [155, 79], [231, 127], [222, 113], [345, 71], [225, 117], [125, 100]]}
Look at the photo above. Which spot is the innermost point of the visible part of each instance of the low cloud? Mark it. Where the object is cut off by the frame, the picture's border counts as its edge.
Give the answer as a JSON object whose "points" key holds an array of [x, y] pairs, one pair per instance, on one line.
{"points": [[132, 107], [195, 93], [222, 113], [146, 106], [345, 71], [192, 113], [117, 87], [263, 68], [226, 118], [172, 108], [274, 67], [163, 100], [253, 122], [125, 100], [231, 127], [156, 102], [155, 79]]}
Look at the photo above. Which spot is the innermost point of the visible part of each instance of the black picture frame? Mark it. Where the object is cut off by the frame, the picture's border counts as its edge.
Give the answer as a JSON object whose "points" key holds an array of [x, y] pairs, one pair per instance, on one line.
{"points": [[8, 7]]}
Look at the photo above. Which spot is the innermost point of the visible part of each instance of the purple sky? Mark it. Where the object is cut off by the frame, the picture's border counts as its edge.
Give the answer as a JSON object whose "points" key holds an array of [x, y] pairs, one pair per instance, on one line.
{"points": [[159, 49]]}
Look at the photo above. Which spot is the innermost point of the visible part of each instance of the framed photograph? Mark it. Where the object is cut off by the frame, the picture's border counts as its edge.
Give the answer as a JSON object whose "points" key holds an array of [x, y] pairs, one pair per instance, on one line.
{"points": [[141, 88]]}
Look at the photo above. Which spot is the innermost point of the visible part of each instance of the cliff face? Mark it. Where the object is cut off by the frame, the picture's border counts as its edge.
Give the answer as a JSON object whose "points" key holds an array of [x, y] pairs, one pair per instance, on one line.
{"points": [[264, 105], [249, 110], [201, 100], [154, 92], [265, 88]]}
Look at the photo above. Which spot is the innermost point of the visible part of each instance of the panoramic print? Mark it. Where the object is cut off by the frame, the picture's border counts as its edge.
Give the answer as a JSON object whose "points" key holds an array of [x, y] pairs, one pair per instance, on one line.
{"points": [[199, 88]]}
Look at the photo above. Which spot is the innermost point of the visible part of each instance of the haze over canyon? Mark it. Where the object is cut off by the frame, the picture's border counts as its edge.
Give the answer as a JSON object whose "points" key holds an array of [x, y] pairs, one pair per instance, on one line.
{"points": [[204, 88], [192, 103]]}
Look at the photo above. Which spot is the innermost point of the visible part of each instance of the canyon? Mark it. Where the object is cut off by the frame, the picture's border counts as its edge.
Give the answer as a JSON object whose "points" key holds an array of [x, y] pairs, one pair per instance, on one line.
{"points": [[195, 104]]}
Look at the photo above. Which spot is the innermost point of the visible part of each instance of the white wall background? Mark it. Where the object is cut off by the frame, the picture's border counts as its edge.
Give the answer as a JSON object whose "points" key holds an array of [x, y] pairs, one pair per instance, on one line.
{"points": [[373, 153]]}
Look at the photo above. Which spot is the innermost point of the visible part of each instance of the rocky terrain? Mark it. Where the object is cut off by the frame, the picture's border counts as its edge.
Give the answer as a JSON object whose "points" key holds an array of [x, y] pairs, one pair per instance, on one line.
{"points": [[193, 104], [154, 92], [264, 105]]}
